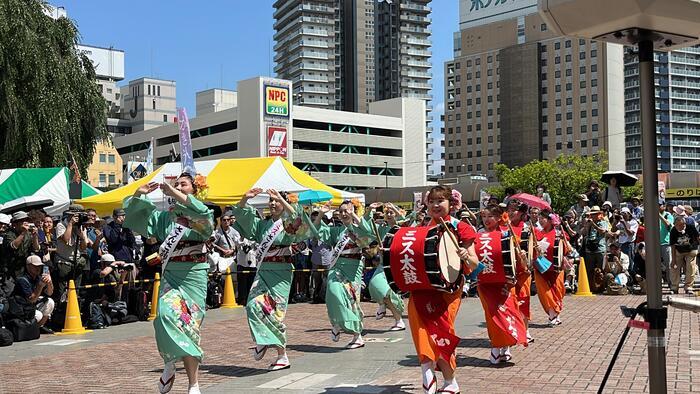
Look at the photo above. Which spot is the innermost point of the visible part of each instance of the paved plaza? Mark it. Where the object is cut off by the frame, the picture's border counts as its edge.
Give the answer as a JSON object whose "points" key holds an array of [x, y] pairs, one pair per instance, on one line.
{"points": [[572, 357]]}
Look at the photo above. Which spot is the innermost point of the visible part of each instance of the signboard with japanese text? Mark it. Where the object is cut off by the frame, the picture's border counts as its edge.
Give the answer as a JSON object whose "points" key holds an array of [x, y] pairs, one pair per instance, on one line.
{"points": [[277, 141], [683, 193], [276, 101], [480, 12]]}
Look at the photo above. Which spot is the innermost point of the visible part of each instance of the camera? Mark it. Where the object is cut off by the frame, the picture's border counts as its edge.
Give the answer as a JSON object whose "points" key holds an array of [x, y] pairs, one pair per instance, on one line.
{"points": [[82, 217]]}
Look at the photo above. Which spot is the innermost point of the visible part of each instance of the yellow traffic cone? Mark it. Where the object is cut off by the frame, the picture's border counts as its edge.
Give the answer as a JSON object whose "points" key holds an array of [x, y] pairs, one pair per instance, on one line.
{"points": [[229, 295], [73, 323], [154, 298], [584, 289]]}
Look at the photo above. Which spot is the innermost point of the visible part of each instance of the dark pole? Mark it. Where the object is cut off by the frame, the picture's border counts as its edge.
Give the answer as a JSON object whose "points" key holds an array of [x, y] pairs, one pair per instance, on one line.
{"points": [[656, 313], [386, 175]]}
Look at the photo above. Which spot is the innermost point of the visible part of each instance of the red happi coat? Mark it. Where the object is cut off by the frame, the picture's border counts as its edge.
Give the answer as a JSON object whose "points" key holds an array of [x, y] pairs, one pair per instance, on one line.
{"points": [[504, 321]]}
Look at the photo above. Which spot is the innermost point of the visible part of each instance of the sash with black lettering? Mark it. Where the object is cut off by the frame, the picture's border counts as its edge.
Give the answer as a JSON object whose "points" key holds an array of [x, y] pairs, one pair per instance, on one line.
{"points": [[168, 246], [268, 239], [339, 247]]}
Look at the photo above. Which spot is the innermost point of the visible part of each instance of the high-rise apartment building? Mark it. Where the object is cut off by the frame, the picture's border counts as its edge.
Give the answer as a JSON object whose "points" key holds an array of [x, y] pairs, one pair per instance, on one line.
{"points": [[345, 54], [677, 80], [515, 92]]}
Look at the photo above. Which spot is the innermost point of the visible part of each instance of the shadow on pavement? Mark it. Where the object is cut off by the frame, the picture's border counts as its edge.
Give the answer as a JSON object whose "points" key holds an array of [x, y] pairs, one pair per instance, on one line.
{"points": [[367, 388], [231, 370], [475, 342], [539, 325], [315, 348], [479, 363], [409, 361]]}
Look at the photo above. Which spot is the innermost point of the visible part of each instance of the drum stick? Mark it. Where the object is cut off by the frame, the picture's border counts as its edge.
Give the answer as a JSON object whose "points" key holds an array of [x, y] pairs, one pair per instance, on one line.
{"points": [[376, 232], [452, 236]]}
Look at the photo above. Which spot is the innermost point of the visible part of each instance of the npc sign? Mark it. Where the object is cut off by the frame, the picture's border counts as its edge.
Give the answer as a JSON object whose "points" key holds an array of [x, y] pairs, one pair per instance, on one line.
{"points": [[276, 101], [277, 141]]}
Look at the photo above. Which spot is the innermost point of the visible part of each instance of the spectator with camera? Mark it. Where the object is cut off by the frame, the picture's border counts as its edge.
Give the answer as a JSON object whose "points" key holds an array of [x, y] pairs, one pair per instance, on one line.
{"points": [[36, 287], [627, 226], [616, 270], [19, 242], [47, 241], [121, 242], [595, 230], [71, 248]]}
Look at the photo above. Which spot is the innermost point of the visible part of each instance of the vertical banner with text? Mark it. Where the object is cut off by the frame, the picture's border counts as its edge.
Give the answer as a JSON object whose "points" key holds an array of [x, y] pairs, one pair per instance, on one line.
{"points": [[186, 158]]}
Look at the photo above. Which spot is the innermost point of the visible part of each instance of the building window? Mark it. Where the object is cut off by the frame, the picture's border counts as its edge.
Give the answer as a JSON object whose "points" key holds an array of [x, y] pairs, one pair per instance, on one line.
{"points": [[594, 52], [558, 117], [568, 72], [112, 179], [594, 98], [544, 105], [582, 55], [478, 140], [568, 101], [569, 130], [477, 74], [489, 59], [594, 82], [558, 146], [557, 88], [478, 154], [543, 27], [469, 156], [158, 90], [557, 60], [489, 85], [557, 45], [458, 142], [558, 131], [490, 139], [149, 90], [545, 147], [582, 84], [103, 158], [594, 112], [545, 133], [568, 58], [583, 114], [582, 99], [469, 102], [569, 116], [595, 142], [450, 169], [478, 100], [567, 44], [544, 76], [594, 127], [111, 159], [478, 167], [584, 129], [544, 90], [584, 143], [470, 168], [557, 102], [103, 179], [543, 47], [165, 118], [569, 145], [594, 68], [582, 70], [557, 74], [154, 104]]}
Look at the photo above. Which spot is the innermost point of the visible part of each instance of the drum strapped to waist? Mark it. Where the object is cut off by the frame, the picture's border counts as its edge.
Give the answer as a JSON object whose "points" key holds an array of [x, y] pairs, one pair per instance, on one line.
{"points": [[187, 251], [496, 251], [421, 258]]}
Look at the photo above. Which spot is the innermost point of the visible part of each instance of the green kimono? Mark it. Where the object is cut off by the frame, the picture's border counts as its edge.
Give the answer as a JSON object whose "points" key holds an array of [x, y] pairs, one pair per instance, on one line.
{"points": [[267, 302], [183, 287], [345, 276], [378, 286]]}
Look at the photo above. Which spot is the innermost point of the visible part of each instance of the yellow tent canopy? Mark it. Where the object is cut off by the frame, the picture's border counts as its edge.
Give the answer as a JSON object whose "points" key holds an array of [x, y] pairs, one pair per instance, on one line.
{"points": [[228, 180]]}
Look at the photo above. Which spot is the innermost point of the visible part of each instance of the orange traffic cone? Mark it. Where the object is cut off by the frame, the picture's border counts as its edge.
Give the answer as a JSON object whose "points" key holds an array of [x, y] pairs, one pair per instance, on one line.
{"points": [[584, 289], [154, 298], [73, 324], [229, 295]]}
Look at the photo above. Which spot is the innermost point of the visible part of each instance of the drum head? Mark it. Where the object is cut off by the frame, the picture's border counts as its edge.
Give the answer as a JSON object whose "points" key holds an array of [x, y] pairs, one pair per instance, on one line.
{"points": [[450, 264]]}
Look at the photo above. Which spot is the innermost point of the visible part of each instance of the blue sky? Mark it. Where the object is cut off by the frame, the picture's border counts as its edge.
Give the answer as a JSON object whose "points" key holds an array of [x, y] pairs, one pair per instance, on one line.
{"points": [[213, 43]]}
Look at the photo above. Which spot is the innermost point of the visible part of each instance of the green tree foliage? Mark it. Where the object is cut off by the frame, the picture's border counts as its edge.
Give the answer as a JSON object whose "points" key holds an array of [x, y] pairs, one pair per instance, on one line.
{"points": [[564, 177], [49, 98]]}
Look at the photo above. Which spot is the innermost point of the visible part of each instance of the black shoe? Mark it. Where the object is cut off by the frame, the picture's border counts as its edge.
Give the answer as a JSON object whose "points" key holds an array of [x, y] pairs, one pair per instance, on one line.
{"points": [[45, 330]]}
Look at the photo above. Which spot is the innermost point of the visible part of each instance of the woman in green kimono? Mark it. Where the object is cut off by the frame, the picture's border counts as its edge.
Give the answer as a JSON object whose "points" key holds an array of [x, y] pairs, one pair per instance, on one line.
{"points": [[277, 238], [345, 274], [183, 287], [378, 286]]}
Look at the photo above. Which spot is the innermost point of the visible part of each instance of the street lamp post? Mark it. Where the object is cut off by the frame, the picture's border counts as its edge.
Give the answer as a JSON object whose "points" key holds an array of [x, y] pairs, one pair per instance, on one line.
{"points": [[386, 174]]}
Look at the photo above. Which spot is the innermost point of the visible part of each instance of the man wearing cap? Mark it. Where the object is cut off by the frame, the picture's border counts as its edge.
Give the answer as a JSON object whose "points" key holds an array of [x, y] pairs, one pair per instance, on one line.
{"points": [[120, 240], [581, 207], [628, 226], [71, 245], [19, 242], [36, 287], [594, 231]]}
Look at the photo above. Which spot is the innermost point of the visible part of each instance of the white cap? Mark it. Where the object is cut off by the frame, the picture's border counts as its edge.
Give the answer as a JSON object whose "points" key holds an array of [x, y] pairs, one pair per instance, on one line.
{"points": [[5, 219]]}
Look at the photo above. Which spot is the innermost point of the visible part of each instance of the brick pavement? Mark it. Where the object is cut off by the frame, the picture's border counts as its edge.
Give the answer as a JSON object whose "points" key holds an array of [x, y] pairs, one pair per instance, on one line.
{"points": [[570, 358]]}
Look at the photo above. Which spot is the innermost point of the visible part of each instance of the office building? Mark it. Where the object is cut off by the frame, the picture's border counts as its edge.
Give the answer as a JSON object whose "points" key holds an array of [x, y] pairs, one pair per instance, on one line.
{"points": [[515, 92], [148, 103], [344, 55], [343, 149], [214, 100], [677, 79]]}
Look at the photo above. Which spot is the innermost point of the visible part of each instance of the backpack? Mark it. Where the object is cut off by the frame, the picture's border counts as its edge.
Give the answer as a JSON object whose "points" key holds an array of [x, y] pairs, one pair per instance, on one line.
{"points": [[97, 319], [23, 330], [6, 338], [137, 303]]}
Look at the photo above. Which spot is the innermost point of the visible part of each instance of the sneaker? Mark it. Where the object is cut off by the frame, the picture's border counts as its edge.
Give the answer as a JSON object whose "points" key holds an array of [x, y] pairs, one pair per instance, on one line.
{"points": [[381, 312]]}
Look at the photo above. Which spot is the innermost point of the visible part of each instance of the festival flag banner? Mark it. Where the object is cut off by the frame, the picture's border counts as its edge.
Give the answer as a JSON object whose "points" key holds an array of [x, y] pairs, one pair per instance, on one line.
{"points": [[186, 157], [149, 158]]}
